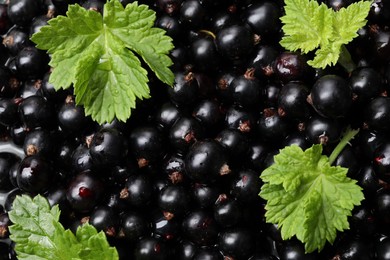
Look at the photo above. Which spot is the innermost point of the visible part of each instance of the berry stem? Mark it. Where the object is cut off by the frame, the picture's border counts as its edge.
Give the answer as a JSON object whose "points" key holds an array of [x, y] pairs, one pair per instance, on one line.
{"points": [[345, 59], [348, 136], [9, 147]]}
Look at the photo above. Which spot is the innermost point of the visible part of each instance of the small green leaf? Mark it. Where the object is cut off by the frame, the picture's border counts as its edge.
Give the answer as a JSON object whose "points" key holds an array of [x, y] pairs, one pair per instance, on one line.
{"points": [[347, 21], [96, 55], [307, 197], [308, 26], [38, 234], [94, 245], [294, 159]]}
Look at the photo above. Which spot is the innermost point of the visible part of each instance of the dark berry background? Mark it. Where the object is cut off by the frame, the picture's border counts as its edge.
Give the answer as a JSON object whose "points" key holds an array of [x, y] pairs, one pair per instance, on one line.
{"points": [[180, 178]]}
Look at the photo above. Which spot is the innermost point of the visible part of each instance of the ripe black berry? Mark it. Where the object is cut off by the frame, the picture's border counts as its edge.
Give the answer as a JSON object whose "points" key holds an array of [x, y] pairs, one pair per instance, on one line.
{"points": [[206, 161]]}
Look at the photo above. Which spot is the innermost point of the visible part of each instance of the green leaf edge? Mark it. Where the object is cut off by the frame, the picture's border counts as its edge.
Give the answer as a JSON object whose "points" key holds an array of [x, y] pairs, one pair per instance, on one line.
{"points": [[328, 51], [322, 160], [55, 211], [166, 76]]}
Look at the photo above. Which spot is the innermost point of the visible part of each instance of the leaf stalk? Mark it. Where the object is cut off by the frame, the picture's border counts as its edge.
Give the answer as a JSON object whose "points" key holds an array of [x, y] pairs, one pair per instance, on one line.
{"points": [[345, 59], [348, 136]]}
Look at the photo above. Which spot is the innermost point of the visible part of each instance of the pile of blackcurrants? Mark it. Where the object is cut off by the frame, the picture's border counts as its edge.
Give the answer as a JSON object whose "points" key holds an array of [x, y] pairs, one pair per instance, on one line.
{"points": [[180, 179]]}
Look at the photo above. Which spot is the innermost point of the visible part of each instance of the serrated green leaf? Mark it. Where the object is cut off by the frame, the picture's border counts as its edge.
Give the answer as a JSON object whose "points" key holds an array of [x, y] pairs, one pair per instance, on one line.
{"points": [[39, 235], [325, 206], [308, 26], [294, 159], [348, 21], [96, 54], [326, 55], [307, 197], [94, 245], [35, 230]]}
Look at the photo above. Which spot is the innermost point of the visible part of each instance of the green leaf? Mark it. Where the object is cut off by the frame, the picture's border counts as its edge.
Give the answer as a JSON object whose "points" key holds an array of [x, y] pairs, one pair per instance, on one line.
{"points": [[307, 197], [38, 234], [308, 26], [326, 55], [347, 21], [294, 159], [97, 55], [36, 228], [94, 245]]}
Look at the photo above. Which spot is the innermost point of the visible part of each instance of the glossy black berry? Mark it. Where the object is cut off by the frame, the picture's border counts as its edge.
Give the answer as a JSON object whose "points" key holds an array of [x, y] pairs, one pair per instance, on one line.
{"points": [[192, 14], [290, 66], [9, 85], [5, 22], [170, 24], [271, 126], [236, 243], [8, 111], [235, 142], [205, 195], [108, 147], [227, 211], [71, 117], [84, 192], [31, 63], [353, 248], [262, 61], [81, 159], [38, 22], [381, 161], [382, 207], [366, 83], [35, 111], [223, 19], [377, 114], [263, 18], [15, 40], [138, 190], [184, 90], [292, 101], [186, 250], [35, 174], [331, 96], [30, 88], [322, 130], [170, 7], [293, 249], [209, 253], [174, 200], [368, 180], [239, 118], [246, 186], [39, 141], [165, 227], [206, 161], [200, 228], [246, 90], [205, 55], [134, 225], [105, 219], [166, 116], [210, 114], [184, 133], [147, 144], [235, 42], [382, 248], [151, 248], [21, 12], [7, 162]]}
